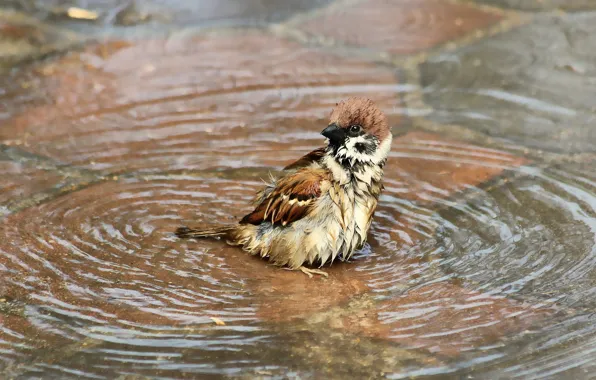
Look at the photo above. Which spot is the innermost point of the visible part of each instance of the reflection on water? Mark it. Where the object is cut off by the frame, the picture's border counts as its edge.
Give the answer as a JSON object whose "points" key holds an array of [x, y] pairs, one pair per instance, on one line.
{"points": [[480, 261]]}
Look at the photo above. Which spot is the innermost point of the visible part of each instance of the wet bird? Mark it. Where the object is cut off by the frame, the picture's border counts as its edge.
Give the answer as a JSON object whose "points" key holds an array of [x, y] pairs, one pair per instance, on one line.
{"points": [[321, 208]]}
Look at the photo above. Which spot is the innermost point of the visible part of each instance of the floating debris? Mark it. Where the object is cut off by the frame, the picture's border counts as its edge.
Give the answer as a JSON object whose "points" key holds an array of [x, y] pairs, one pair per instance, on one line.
{"points": [[81, 14], [218, 321]]}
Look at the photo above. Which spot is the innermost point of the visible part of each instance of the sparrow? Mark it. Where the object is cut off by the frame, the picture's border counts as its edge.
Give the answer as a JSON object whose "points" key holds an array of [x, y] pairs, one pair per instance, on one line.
{"points": [[322, 206]]}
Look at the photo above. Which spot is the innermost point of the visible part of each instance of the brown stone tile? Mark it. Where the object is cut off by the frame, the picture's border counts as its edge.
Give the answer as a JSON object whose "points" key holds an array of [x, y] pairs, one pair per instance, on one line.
{"points": [[219, 100], [102, 249], [117, 215], [423, 170], [399, 26]]}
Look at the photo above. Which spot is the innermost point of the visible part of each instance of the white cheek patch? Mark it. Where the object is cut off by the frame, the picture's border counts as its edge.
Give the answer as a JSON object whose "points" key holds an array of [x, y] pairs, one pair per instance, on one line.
{"points": [[383, 150], [349, 151]]}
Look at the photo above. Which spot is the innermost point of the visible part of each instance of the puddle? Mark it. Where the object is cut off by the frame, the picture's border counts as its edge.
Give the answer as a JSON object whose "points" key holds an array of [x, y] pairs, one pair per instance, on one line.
{"points": [[480, 260]]}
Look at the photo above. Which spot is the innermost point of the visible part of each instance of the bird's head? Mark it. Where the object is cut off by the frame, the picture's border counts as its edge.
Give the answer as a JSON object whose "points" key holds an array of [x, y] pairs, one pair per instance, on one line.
{"points": [[358, 133]]}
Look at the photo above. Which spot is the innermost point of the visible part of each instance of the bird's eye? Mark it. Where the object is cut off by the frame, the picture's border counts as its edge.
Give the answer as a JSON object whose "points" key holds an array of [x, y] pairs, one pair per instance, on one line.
{"points": [[355, 129]]}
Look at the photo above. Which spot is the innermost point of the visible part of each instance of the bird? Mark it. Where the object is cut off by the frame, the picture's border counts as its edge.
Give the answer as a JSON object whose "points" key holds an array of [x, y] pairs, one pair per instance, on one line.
{"points": [[321, 207]]}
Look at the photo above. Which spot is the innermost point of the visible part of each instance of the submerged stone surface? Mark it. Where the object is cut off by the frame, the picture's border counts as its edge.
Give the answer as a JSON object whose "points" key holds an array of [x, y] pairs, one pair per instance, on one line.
{"points": [[534, 85]]}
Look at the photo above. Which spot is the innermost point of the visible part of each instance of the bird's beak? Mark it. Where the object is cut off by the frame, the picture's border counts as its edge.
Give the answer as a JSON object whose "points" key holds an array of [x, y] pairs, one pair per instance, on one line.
{"points": [[334, 133]]}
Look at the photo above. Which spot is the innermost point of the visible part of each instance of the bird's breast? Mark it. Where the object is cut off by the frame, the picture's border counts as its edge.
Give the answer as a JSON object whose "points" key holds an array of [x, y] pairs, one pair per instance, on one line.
{"points": [[353, 212]]}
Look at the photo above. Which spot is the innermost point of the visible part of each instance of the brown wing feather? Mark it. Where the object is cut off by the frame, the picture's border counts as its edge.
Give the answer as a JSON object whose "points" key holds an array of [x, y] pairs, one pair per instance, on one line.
{"points": [[301, 163], [290, 200], [307, 159]]}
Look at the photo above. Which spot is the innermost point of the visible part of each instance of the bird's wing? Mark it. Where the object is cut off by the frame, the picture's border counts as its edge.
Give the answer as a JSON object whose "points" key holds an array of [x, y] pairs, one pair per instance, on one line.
{"points": [[307, 159], [291, 199]]}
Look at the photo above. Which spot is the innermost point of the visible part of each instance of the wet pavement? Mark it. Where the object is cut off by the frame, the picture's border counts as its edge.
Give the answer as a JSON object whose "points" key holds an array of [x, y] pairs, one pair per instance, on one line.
{"points": [[120, 121], [550, 92]]}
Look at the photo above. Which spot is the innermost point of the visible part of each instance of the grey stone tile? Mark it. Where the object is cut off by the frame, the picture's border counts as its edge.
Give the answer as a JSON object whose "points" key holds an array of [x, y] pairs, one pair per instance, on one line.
{"points": [[535, 85]]}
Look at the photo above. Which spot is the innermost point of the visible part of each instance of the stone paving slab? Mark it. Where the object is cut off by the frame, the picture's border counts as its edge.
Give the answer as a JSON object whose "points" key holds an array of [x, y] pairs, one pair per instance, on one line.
{"points": [[222, 99], [399, 27], [542, 5], [533, 85]]}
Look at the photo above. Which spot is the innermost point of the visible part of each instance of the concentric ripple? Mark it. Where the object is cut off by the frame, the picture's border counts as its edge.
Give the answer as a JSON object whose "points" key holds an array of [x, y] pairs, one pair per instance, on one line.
{"points": [[535, 236], [99, 273], [102, 265], [532, 238]]}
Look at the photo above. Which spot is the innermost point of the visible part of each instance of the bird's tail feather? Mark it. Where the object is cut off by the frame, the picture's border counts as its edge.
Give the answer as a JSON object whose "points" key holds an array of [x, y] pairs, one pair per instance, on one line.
{"points": [[213, 232]]}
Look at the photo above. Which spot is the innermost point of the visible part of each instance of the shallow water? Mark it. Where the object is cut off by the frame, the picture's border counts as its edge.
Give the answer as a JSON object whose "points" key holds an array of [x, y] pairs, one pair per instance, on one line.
{"points": [[480, 260]]}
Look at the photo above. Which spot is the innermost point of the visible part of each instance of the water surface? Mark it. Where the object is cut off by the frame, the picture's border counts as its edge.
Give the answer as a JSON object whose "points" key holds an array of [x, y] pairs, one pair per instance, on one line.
{"points": [[480, 260]]}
